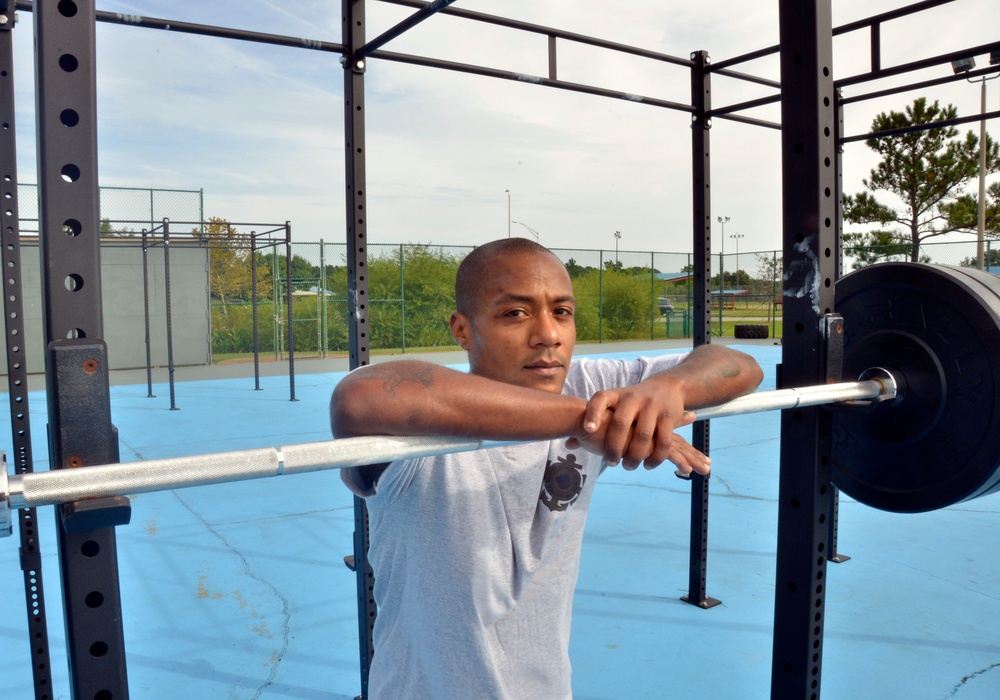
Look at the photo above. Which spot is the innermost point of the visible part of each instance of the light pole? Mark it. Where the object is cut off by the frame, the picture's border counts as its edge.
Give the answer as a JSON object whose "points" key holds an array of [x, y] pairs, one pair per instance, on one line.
{"points": [[618, 237], [722, 278], [722, 251], [737, 237], [508, 212], [532, 231], [964, 65]]}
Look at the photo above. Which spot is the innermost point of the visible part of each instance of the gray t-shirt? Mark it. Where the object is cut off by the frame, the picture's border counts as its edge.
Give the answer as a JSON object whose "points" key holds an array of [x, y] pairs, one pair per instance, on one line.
{"points": [[476, 557]]}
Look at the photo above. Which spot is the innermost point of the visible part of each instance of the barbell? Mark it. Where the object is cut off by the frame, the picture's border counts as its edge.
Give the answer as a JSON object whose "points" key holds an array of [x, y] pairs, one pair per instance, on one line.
{"points": [[923, 340], [120, 479]]}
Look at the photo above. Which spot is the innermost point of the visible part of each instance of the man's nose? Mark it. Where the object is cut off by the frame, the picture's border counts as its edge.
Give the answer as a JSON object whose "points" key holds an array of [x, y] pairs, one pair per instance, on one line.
{"points": [[545, 331]]}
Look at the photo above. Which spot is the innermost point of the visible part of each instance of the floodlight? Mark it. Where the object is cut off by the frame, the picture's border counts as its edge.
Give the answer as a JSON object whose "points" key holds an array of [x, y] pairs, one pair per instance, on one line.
{"points": [[963, 65], [994, 57]]}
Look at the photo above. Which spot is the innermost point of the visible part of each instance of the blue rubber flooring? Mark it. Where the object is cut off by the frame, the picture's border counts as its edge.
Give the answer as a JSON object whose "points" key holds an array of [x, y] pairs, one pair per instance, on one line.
{"points": [[239, 590]]}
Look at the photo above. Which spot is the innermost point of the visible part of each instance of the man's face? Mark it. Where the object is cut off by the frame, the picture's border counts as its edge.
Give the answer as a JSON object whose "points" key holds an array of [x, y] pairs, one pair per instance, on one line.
{"points": [[523, 328]]}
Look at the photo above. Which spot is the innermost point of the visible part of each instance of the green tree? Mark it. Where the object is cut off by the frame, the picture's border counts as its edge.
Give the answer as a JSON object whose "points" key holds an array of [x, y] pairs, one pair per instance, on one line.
{"points": [[305, 275], [229, 263], [963, 213], [925, 170], [991, 257], [108, 229], [575, 269], [740, 279], [878, 246], [409, 306], [612, 305], [768, 267]]}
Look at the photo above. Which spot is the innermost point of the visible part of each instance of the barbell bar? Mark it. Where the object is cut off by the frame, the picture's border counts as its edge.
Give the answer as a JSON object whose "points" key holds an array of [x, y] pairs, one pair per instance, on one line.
{"points": [[47, 488]]}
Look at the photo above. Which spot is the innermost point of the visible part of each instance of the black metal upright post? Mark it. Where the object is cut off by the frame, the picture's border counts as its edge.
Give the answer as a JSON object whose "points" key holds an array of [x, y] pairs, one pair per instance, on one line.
{"points": [[809, 212], [167, 309], [145, 313], [256, 321], [17, 370], [357, 291], [80, 429], [701, 100], [289, 289]]}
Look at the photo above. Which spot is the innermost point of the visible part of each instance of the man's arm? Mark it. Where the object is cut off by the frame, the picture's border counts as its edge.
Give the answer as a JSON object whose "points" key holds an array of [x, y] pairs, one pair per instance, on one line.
{"points": [[636, 424], [409, 397]]}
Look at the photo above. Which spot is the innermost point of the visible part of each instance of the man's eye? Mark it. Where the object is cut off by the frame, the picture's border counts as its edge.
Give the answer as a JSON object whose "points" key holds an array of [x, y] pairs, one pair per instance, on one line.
{"points": [[565, 311], [515, 313]]}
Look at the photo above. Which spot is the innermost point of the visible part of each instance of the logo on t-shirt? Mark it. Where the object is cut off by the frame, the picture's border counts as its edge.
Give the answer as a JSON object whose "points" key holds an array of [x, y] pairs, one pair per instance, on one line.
{"points": [[562, 483]]}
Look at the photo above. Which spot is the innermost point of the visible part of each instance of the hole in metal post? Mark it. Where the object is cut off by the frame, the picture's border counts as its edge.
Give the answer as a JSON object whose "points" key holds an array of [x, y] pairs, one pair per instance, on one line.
{"points": [[67, 8], [70, 172], [68, 62], [73, 282]]}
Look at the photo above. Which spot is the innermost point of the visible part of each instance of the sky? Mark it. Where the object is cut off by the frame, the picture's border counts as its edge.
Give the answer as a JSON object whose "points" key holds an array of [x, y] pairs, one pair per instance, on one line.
{"points": [[260, 128]]}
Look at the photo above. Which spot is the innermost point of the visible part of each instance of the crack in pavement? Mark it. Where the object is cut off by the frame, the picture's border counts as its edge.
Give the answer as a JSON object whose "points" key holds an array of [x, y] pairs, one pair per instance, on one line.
{"points": [[276, 659], [966, 679]]}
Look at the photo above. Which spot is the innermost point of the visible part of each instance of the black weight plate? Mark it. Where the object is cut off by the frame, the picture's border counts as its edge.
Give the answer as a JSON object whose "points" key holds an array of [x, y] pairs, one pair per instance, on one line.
{"points": [[939, 328], [992, 282]]}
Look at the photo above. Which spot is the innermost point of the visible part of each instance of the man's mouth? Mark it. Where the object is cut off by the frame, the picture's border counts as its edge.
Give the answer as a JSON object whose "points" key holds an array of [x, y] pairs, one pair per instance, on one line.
{"points": [[545, 368]]}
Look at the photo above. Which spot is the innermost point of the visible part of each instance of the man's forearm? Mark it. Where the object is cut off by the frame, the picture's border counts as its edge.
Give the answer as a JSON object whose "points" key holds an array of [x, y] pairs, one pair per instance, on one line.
{"points": [[417, 398], [713, 374]]}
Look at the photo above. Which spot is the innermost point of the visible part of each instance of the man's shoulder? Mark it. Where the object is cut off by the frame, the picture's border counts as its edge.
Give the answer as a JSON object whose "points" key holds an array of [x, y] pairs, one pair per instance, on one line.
{"points": [[608, 372]]}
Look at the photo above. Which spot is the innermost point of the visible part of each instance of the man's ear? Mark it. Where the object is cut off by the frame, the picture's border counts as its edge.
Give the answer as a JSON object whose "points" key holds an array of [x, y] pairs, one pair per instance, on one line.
{"points": [[460, 329]]}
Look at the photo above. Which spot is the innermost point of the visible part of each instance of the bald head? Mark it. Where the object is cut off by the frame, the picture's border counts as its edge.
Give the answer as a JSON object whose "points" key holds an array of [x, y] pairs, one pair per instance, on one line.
{"points": [[475, 268]]}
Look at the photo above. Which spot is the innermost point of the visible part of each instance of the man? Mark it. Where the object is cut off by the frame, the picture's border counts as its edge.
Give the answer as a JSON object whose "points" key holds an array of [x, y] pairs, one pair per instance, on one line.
{"points": [[476, 554]]}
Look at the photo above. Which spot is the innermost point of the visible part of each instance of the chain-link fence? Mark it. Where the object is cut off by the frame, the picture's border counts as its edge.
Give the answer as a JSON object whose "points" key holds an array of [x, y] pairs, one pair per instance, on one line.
{"points": [[130, 208], [621, 295], [256, 292]]}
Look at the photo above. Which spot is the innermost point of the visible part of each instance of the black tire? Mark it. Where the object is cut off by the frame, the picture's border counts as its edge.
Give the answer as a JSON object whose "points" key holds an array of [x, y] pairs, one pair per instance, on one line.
{"points": [[757, 331]]}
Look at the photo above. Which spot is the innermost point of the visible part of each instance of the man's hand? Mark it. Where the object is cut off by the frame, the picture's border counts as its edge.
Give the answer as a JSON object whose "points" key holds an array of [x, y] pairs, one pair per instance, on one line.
{"points": [[635, 425]]}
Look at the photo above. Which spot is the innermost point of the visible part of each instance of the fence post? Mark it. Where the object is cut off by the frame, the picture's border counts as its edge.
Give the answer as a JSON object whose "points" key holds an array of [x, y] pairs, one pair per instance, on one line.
{"points": [[276, 296], [600, 296], [323, 339], [722, 289], [652, 299], [774, 294], [402, 301]]}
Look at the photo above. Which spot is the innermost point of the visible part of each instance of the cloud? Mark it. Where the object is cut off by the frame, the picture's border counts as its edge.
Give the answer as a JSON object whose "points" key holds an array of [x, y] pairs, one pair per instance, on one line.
{"points": [[260, 128]]}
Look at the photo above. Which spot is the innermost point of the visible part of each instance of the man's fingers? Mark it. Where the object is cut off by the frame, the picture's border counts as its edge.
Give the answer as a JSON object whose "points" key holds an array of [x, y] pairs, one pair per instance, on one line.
{"points": [[641, 444], [620, 434], [598, 409], [681, 453]]}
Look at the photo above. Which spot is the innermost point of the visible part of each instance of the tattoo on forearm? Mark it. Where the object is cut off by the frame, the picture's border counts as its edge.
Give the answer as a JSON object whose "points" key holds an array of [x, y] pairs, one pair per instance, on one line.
{"points": [[728, 371], [393, 377]]}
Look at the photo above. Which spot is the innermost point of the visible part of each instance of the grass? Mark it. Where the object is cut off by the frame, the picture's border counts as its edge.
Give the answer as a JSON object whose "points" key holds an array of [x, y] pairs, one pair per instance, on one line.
{"points": [[758, 314]]}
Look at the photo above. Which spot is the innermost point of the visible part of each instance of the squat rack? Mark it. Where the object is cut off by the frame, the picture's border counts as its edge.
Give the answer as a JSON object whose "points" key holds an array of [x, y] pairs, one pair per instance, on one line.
{"points": [[811, 125]]}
